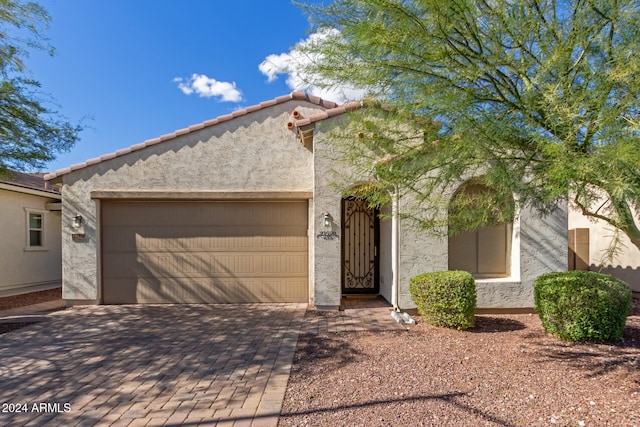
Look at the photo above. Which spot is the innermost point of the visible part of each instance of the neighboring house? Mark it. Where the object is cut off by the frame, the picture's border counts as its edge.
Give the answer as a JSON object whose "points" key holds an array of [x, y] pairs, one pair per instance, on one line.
{"points": [[590, 241], [242, 208], [30, 249]]}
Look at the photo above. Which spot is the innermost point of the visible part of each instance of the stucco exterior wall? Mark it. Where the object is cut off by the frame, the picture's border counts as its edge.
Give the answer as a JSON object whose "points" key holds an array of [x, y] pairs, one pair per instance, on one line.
{"points": [[255, 152], [258, 153], [418, 252], [626, 262], [24, 269], [539, 246]]}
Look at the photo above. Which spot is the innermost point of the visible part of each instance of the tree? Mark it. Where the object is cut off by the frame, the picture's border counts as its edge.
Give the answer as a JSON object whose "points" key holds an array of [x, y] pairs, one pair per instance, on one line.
{"points": [[538, 98], [31, 133]]}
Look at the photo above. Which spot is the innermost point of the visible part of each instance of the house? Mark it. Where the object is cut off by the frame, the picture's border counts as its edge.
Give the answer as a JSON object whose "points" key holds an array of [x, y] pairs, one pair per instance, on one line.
{"points": [[241, 209], [590, 241], [30, 222]]}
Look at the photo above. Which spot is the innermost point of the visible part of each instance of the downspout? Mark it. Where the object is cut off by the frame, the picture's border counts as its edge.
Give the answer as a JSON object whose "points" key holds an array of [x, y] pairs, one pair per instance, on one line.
{"points": [[398, 315], [394, 249]]}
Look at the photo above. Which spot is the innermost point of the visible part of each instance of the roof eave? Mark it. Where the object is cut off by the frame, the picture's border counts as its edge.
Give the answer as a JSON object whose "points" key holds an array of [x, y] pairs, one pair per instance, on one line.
{"points": [[55, 177], [31, 191]]}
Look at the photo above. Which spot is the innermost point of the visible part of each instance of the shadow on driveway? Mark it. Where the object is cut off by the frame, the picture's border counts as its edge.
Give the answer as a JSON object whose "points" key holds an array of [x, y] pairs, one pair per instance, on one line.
{"points": [[167, 363]]}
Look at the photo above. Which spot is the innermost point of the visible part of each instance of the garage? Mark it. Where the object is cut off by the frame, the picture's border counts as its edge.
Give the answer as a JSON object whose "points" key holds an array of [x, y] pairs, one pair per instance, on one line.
{"points": [[204, 251]]}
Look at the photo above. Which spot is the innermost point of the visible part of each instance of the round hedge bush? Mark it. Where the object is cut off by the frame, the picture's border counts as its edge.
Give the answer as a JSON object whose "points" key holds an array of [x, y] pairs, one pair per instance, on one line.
{"points": [[582, 305], [445, 298]]}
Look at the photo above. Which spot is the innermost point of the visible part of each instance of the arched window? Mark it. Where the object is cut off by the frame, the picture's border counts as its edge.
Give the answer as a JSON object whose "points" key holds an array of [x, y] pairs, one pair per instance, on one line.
{"points": [[486, 251]]}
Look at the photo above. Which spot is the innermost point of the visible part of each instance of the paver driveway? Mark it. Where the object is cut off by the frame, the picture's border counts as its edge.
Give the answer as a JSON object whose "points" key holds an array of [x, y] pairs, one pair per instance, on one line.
{"points": [[150, 365]]}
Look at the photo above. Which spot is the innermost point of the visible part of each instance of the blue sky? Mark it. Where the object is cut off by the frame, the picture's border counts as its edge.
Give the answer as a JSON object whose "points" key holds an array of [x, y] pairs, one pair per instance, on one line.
{"points": [[138, 69]]}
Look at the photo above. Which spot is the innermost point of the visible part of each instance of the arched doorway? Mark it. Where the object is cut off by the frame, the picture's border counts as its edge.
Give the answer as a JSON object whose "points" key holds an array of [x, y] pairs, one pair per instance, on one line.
{"points": [[360, 247]]}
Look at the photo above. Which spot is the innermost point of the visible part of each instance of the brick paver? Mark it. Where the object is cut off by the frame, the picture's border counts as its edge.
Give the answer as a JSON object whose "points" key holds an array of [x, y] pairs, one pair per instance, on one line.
{"points": [[355, 315], [164, 365], [150, 365]]}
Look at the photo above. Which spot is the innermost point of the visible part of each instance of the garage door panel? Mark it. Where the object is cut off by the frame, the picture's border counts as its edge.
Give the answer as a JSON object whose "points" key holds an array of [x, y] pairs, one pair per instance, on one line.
{"points": [[224, 214], [204, 265], [199, 290], [120, 290], [118, 238], [149, 258], [120, 265], [128, 239]]}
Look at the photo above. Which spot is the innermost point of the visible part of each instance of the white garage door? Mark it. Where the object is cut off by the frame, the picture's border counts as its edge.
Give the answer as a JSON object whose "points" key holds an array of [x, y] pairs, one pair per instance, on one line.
{"points": [[204, 252]]}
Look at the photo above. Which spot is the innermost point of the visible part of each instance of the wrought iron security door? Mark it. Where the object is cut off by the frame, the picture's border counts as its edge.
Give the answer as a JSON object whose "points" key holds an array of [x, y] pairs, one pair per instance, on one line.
{"points": [[360, 238]]}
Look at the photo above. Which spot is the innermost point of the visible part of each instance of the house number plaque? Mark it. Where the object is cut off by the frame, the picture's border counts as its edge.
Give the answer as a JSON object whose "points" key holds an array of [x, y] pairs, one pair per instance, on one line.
{"points": [[327, 235]]}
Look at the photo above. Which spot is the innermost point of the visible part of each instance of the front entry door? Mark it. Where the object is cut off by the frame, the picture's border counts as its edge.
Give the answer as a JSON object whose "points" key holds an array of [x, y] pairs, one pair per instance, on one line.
{"points": [[360, 241]]}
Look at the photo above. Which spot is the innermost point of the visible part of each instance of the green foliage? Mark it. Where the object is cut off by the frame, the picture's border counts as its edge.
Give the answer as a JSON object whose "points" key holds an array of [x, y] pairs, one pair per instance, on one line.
{"points": [[445, 298], [582, 305], [475, 205], [539, 98], [31, 133]]}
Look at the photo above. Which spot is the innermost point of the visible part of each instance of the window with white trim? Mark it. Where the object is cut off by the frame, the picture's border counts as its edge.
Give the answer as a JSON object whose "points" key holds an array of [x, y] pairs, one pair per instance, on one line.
{"points": [[486, 251], [35, 229]]}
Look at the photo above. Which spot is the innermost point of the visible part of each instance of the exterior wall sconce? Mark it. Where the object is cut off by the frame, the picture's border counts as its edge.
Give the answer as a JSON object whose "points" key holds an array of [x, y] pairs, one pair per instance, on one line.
{"points": [[327, 220], [327, 223], [76, 223]]}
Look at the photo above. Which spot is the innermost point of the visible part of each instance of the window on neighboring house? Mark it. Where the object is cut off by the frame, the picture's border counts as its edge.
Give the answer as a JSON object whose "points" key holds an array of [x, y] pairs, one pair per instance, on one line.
{"points": [[35, 230]]}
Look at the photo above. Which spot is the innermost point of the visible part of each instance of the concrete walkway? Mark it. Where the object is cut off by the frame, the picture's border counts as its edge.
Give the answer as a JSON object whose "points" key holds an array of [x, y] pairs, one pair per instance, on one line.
{"points": [[154, 365]]}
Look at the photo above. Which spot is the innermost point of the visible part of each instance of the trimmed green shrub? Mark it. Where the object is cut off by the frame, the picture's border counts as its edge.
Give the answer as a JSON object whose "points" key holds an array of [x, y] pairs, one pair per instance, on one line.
{"points": [[445, 298], [582, 305]]}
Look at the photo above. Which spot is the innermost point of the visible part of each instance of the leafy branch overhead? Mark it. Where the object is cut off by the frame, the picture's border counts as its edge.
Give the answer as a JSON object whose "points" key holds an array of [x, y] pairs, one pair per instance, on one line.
{"points": [[537, 98], [31, 133]]}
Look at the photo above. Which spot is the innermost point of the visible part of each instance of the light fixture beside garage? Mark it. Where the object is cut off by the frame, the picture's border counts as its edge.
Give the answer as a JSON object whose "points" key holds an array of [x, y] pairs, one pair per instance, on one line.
{"points": [[327, 224], [76, 225], [327, 220], [76, 222]]}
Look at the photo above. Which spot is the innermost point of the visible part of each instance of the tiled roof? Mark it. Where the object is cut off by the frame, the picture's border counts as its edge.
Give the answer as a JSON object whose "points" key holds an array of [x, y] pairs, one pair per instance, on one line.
{"points": [[337, 110], [33, 181], [332, 109]]}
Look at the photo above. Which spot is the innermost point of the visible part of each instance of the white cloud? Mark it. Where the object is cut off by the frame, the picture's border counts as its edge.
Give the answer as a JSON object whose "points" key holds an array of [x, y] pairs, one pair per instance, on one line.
{"points": [[207, 87], [293, 63]]}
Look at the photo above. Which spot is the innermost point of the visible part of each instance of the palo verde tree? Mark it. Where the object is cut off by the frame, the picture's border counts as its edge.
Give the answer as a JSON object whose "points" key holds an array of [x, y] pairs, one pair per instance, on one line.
{"points": [[539, 98], [31, 133]]}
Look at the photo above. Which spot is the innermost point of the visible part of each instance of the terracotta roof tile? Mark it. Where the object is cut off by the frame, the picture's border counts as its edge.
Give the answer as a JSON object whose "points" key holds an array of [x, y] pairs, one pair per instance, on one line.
{"points": [[279, 100], [252, 108], [328, 113]]}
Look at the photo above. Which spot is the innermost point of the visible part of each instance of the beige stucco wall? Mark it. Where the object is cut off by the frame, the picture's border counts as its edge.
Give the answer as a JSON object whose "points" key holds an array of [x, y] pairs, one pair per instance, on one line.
{"points": [[626, 262], [255, 152], [540, 243], [539, 246], [24, 269]]}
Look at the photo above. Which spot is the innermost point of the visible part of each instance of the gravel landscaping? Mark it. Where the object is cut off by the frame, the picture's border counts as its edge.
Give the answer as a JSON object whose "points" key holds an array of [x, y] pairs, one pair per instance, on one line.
{"points": [[16, 301], [30, 298], [506, 371]]}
